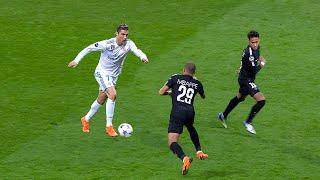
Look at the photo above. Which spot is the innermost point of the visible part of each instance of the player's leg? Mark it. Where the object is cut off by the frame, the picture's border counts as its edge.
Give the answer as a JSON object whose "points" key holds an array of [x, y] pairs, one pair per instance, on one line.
{"points": [[102, 96], [107, 86], [110, 106], [174, 130], [260, 102], [241, 96], [96, 105], [196, 141], [176, 149], [233, 103], [174, 146], [222, 116]]}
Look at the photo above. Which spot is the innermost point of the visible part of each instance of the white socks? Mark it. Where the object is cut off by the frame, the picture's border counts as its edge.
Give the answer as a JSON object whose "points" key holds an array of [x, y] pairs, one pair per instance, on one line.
{"points": [[109, 111], [94, 108]]}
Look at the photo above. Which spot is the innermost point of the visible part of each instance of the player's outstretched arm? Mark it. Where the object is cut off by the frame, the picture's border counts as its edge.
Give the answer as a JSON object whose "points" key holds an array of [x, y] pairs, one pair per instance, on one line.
{"points": [[143, 57], [72, 64], [165, 90], [98, 46]]}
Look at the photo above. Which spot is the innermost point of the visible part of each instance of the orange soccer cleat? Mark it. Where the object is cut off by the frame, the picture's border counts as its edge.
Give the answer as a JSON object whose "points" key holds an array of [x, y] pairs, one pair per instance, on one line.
{"points": [[186, 165], [202, 155], [111, 132], [85, 125]]}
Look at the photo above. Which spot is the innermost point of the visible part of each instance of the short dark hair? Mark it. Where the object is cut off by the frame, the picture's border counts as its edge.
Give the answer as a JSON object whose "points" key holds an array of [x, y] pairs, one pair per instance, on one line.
{"points": [[122, 27], [252, 34], [190, 67]]}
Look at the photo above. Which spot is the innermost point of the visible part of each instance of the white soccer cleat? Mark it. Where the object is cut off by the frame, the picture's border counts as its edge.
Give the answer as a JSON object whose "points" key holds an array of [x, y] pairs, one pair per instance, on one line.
{"points": [[222, 120], [249, 127]]}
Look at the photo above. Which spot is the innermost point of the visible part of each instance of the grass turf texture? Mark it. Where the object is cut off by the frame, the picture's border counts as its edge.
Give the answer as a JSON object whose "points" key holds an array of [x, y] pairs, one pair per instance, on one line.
{"points": [[42, 100]]}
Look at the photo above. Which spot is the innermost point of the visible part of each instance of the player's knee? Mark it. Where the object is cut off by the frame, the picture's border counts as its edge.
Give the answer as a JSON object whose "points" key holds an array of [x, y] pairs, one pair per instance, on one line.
{"points": [[112, 96], [170, 142], [241, 98], [101, 101], [171, 139]]}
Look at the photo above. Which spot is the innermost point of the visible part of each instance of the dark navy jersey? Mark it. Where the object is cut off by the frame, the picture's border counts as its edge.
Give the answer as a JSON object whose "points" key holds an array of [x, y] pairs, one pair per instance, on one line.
{"points": [[184, 88], [250, 65]]}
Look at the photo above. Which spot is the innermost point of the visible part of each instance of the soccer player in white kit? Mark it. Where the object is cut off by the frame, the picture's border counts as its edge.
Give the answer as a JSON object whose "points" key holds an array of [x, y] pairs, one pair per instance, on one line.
{"points": [[113, 54]]}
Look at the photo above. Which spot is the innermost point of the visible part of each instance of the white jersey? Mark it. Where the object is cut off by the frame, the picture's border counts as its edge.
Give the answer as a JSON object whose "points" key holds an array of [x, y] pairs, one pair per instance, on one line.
{"points": [[112, 55]]}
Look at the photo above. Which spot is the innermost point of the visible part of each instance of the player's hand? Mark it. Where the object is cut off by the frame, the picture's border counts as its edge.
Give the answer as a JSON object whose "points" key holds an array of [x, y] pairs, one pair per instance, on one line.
{"points": [[169, 92], [238, 72], [262, 61], [72, 64], [145, 60]]}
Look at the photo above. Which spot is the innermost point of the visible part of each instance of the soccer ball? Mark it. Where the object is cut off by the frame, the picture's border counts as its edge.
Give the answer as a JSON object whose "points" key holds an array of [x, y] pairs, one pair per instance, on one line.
{"points": [[125, 130]]}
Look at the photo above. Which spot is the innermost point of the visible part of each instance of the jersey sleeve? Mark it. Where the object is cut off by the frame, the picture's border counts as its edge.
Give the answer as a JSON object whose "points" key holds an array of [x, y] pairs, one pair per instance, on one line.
{"points": [[170, 81], [245, 62], [245, 56], [201, 89], [98, 46], [137, 51], [259, 65]]}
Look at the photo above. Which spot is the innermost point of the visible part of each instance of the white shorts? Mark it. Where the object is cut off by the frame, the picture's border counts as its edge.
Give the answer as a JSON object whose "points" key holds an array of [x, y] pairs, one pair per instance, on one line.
{"points": [[105, 81]]}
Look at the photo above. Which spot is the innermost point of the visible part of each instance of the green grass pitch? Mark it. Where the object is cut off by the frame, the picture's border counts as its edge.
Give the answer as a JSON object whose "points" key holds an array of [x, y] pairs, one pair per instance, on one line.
{"points": [[42, 101]]}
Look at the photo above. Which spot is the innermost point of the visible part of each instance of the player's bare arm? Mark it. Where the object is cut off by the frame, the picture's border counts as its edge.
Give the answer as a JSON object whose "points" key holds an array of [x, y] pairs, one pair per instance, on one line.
{"points": [[165, 90]]}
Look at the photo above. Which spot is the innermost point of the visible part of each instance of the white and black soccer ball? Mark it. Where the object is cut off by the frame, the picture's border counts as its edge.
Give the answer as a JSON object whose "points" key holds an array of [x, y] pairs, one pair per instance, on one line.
{"points": [[125, 130]]}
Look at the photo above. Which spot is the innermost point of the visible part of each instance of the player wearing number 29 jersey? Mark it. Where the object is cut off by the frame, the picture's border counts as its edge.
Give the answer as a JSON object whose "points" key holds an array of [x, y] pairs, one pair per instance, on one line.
{"points": [[183, 90]]}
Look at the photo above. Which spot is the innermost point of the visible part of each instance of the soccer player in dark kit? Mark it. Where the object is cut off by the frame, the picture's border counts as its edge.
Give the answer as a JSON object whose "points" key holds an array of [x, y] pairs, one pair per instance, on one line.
{"points": [[251, 64], [183, 88]]}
